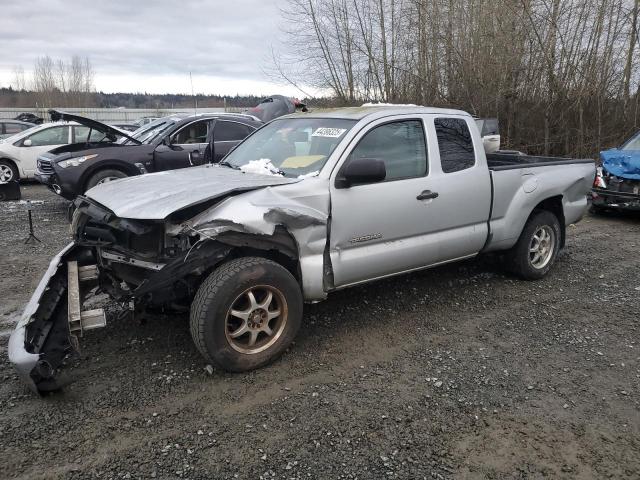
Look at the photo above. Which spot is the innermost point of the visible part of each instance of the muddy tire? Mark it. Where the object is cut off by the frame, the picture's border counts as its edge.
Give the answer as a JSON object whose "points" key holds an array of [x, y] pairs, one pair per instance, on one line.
{"points": [[535, 252], [102, 176], [246, 313]]}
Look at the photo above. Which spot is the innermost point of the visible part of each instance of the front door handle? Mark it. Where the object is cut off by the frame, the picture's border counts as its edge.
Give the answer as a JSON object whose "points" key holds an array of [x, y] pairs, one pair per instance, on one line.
{"points": [[427, 194]]}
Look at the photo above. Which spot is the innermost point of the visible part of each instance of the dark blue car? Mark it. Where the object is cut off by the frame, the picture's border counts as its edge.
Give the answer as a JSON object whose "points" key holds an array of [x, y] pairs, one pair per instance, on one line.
{"points": [[617, 182]]}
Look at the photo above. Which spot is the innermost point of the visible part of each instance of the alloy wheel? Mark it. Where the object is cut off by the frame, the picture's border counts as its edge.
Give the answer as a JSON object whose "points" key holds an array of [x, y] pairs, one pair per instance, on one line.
{"points": [[256, 319], [6, 173], [542, 247]]}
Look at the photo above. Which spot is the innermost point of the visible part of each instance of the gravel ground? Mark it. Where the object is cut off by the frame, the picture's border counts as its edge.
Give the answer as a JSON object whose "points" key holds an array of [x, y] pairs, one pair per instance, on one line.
{"points": [[456, 372]]}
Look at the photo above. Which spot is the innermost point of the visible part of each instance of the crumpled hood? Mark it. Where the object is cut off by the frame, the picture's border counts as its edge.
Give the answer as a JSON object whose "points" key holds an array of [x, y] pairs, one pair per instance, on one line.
{"points": [[622, 163], [157, 195]]}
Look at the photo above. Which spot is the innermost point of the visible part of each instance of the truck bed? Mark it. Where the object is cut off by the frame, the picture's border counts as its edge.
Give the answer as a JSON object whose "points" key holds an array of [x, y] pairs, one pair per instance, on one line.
{"points": [[519, 185], [511, 161]]}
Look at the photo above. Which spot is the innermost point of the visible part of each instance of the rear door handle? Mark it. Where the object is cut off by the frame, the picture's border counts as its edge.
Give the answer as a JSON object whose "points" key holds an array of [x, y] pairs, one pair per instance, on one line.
{"points": [[427, 194]]}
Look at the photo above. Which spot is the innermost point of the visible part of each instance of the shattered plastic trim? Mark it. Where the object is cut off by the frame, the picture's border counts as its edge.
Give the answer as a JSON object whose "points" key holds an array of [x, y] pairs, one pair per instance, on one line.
{"points": [[23, 361]]}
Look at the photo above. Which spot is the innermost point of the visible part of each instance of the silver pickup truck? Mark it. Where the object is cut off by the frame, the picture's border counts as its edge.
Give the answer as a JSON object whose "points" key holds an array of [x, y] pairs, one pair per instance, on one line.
{"points": [[306, 205]]}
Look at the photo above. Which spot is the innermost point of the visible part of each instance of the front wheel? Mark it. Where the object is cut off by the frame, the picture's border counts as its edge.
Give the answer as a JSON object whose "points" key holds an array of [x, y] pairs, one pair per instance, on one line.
{"points": [[536, 250], [103, 176], [8, 172], [246, 313]]}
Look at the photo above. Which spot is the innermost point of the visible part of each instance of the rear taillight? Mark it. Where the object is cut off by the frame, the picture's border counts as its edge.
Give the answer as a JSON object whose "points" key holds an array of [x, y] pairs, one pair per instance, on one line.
{"points": [[599, 181]]}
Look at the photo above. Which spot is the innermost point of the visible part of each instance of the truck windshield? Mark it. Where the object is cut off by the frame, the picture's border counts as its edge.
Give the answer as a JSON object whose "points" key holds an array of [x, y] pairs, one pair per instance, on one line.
{"points": [[633, 144], [294, 146]]}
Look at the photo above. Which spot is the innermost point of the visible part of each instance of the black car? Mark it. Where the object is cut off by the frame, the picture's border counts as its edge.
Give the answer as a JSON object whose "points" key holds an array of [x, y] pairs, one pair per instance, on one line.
{"points": [[30, 118], [172, 142]]}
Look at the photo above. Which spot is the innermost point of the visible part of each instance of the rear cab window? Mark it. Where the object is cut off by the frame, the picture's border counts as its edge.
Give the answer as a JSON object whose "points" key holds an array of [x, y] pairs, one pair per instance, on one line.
{"points": [[455, 144]]}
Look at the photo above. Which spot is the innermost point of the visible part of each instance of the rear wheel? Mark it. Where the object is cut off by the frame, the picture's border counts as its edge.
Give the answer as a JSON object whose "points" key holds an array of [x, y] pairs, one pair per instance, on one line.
{"points": [[246, 313], [103, 176], [8, 172], [536, 250]]}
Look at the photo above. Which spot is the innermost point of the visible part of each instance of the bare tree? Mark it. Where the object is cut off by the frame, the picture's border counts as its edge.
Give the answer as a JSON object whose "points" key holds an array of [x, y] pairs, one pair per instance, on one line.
{"points": [[19, 82], [60, 83], [633, 38], [557, 73]]}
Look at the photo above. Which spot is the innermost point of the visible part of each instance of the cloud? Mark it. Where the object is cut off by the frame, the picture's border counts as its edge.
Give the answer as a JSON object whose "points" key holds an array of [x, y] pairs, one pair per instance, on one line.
{"points": [[148, 45]]}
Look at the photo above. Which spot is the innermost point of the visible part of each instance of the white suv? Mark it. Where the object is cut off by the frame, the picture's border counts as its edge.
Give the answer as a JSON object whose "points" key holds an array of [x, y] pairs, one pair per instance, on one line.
{"points": [[19, 152]]}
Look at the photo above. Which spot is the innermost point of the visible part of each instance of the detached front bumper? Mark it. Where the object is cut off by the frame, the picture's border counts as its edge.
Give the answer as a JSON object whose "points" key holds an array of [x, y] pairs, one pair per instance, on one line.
{"points": [[44, 335]]}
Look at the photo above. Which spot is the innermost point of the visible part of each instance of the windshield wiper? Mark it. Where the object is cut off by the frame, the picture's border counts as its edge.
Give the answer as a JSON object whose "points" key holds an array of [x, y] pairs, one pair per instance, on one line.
{"points": [[227, 164]]}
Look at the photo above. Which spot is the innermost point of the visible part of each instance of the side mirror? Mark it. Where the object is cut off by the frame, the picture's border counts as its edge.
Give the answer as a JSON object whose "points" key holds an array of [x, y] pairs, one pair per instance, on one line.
{"points": [[27, 143], [362, 170]]}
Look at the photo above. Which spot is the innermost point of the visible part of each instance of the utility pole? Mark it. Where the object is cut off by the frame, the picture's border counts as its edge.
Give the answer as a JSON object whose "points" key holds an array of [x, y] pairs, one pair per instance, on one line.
{"points": [[195, 100]]}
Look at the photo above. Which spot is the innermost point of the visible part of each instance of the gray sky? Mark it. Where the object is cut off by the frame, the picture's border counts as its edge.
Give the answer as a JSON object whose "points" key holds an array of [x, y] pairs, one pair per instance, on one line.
{"points": [[149, 45]]}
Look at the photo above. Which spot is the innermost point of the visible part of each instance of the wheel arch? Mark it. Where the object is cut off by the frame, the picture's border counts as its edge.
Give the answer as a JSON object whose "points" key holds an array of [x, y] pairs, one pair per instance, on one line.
{"points": [[124, 167], [553, 205], [280, 247]]}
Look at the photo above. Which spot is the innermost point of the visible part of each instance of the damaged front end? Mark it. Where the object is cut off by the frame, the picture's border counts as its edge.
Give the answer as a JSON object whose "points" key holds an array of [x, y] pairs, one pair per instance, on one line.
{"points": [[612, 191], [152, 260], [130, 260], [137, 261]]}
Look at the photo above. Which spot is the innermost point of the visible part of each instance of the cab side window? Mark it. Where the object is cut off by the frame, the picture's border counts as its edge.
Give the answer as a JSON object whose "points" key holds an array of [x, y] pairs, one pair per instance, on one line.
{"points": [[50, 136], [195, 132], [400, 145], [455, 144]]}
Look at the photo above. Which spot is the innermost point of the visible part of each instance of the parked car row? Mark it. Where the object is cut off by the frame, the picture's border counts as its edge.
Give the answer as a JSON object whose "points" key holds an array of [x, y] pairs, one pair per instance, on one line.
{"points": [[168, 143], [19, 152], [75, 153]]}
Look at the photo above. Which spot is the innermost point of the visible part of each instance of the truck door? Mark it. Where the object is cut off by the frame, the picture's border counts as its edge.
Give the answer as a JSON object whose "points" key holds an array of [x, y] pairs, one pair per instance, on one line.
{"points": [[410, 220], [183, 146]]}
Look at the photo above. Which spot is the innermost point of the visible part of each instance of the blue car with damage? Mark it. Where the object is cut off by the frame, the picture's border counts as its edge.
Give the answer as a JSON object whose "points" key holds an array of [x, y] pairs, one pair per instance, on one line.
{"points": [[617, 182]]}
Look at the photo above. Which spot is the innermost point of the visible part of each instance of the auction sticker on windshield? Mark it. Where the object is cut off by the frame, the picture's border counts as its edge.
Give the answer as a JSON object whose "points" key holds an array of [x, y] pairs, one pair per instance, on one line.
{"points": [[328, 132]]}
